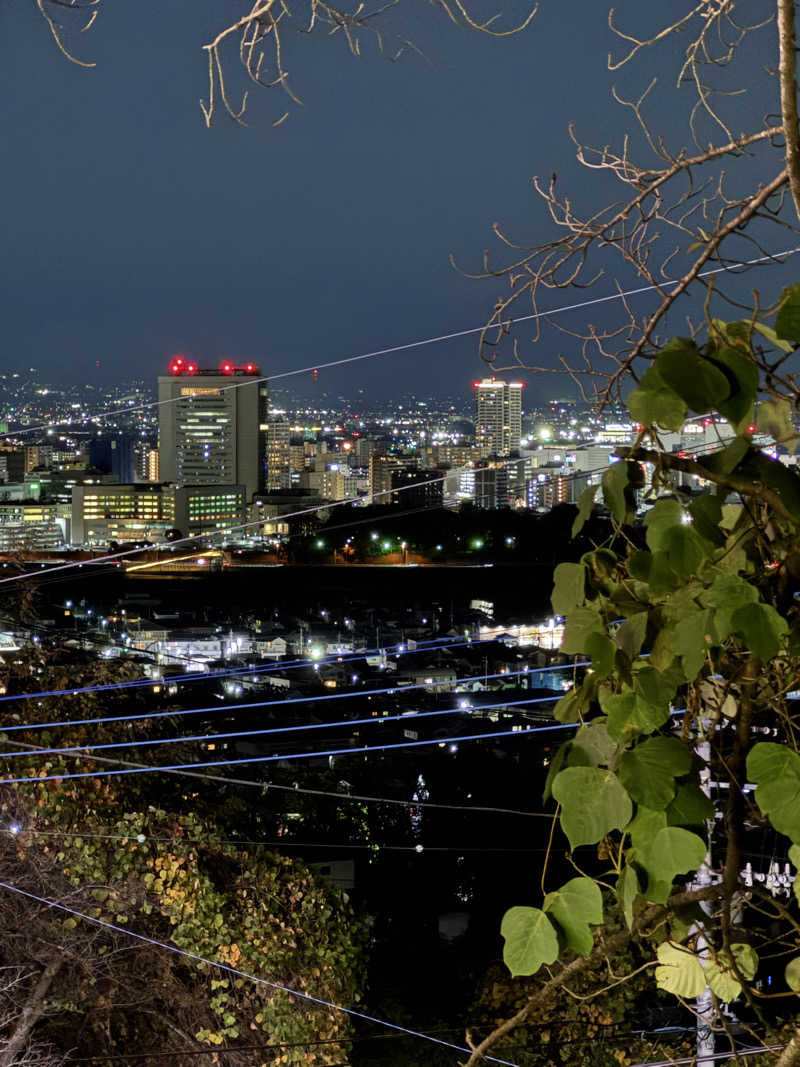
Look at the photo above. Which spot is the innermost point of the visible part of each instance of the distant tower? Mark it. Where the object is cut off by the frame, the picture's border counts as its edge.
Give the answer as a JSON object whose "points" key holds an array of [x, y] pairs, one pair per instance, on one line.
{"points": [[498, 426], [212, 425]]}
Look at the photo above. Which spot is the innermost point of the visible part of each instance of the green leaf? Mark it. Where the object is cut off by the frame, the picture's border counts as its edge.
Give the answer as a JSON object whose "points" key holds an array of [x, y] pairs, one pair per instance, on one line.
{"points": [[693, 377], [639, 564], [593, 802], [776, 476], [657, 687], [627, 892], [569, 587], [742, 375], [774, 417], [762, 628], [794, 856], [725, 461], [680, 971], [648, 771], [556, 763], [706, 512], [569, 708], [772, 337], [585, 507], [727, 593], [594, 744], [654, 403], [722, 979], [776, 771], [692, 637], [580, 623], [684, 550], [746, 960], [645, 826], [574, 906], [666, 514], [787, 323], [630, 635], [601, 650], [672, 851], [574, 704], [792, 974], [629, 715], [618, 484], [691, 807], [531, 940]]}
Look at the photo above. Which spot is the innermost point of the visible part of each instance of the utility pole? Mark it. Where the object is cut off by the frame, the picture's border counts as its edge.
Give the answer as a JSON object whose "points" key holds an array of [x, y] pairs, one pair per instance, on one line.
{"points": [[704, 1004]]}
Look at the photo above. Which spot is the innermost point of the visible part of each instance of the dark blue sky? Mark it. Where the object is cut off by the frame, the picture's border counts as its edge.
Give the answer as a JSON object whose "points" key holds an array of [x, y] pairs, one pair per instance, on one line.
{"points": [[131, 231]]}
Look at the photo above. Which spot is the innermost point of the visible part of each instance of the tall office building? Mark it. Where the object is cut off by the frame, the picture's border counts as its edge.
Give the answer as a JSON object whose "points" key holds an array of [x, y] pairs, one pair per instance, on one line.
{"points": [[498, 427], [212, 425], [114, 455], [279, 470]]}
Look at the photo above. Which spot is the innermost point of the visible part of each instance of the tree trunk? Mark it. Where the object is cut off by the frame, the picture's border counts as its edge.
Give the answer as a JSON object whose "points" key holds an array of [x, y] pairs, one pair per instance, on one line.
{"points": [[31, 1013], [787, 69]]}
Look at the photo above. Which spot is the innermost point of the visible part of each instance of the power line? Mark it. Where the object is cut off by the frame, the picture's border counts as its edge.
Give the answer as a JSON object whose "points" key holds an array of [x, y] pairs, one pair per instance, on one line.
{"points": [[349, 751], [285, 702], [433, 645], [739, 1052], [241, 974], [376, 720], [144, 839], [394, 349], [328, 505], [265, 787]]}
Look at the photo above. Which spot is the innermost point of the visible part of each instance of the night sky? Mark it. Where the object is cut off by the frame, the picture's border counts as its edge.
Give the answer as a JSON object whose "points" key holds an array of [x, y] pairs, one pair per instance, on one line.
{"points": [[131, 231]]}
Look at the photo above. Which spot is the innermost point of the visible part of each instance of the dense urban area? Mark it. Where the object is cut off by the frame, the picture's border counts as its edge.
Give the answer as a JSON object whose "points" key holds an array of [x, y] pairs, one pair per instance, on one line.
{"points": [[400, 534], [352, 603]]}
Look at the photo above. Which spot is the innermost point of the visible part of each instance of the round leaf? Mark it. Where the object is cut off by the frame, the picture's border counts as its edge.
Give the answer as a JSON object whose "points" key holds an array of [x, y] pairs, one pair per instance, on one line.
{"points": [[680, 971], [593, 802], [574, 906], [530, 938], [792, 974]]}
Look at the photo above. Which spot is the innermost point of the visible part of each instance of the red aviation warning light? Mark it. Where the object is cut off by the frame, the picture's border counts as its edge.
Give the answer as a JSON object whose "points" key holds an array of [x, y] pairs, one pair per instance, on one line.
{"points": [[191, 368], [315, 374], [227, 368], [250, 368], [176, 366]]}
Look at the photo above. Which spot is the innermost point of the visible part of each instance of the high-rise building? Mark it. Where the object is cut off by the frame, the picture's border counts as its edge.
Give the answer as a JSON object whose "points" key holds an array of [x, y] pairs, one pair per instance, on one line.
{"points": [[381, 469], [114, 455], [498, 426], [491, 485], [212, 425], [279, 470]]}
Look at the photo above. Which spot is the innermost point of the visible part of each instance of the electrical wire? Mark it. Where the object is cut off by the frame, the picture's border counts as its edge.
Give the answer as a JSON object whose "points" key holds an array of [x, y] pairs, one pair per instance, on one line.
{"points": [[705, 1056], [375, 720], [419, 849], [327, 506], [359, 798], [394, 349], [284, 702], [241, 974], [349, 751], [433, 645]]}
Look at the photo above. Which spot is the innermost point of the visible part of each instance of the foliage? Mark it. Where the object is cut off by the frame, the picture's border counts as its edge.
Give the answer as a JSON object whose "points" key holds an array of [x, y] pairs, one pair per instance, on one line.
{"points": [[702, 667], [170, 877]]}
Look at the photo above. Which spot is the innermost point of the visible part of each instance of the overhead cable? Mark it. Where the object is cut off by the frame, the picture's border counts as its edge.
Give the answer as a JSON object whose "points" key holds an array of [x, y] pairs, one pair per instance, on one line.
{"points": [[279, 987], [242, 761], [394, 349], [249, 705]]}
